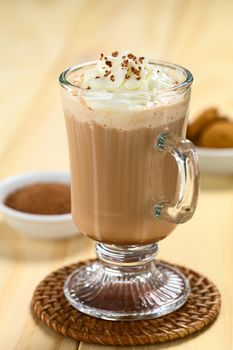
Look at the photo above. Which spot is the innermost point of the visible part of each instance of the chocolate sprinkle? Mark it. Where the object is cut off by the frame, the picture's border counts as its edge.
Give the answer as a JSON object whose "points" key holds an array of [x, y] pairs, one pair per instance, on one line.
{"points": [[108, 63], [107, 72], [115, 53], [130, 55]]}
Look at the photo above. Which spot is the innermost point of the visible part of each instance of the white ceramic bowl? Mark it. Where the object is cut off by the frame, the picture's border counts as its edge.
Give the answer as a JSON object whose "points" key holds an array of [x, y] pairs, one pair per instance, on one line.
{"points": [[38, 226], [218, 161]]}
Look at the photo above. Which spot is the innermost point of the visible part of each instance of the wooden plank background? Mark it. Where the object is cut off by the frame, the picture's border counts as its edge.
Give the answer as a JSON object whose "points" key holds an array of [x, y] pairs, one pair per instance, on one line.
{"points": [[38, 40]]}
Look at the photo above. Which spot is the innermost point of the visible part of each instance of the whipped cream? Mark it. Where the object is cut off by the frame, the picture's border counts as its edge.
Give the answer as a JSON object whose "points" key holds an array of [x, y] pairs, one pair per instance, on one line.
{"points": [[124, 72], [123, 81]]}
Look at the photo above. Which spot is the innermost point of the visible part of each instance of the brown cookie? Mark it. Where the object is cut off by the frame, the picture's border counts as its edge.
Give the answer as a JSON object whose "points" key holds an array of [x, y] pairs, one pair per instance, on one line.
{"points": [[202, 121], [217, 135]]}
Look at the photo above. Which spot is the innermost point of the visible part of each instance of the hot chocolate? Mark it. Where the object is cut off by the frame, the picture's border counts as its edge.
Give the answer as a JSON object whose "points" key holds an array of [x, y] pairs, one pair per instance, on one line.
{"points": [[114, 164], [134, 176]]}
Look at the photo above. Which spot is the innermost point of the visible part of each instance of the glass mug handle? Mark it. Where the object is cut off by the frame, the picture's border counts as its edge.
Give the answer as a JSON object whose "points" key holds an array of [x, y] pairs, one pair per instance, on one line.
{"points": [[185, 155]]}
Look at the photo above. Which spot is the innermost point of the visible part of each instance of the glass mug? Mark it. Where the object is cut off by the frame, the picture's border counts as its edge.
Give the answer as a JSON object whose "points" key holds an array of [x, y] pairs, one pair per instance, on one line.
{"points": [[134, 176]]}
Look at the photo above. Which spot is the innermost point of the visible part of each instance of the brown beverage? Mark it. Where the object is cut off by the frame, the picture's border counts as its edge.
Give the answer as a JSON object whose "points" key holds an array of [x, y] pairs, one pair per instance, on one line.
{"points": [[134, 176], [117, 175]]}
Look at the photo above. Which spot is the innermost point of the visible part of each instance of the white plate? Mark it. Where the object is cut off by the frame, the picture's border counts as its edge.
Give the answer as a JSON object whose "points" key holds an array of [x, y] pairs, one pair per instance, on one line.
{"points": [[215, 160]]}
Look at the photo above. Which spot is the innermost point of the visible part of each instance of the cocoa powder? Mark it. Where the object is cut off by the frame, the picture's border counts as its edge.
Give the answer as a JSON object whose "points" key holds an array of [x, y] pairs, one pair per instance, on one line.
{"points": [[41, 198]]}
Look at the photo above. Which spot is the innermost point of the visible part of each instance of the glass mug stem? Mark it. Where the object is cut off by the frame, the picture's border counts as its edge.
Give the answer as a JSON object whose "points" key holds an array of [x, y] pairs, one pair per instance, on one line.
{"points": [[126, 283], [185, 155]]}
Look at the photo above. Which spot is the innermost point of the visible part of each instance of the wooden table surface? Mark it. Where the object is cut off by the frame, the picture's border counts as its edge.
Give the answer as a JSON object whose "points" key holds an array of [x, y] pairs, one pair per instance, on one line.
{"points": [[39, 39]]}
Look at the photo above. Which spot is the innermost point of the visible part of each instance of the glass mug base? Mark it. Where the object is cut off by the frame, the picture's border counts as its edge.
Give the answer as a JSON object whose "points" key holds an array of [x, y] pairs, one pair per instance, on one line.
{"points": [[126, 283]]}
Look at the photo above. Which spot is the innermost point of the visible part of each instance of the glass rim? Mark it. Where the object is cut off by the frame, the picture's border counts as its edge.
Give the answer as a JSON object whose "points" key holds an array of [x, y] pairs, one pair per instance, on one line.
{"points": [[185, 84]]}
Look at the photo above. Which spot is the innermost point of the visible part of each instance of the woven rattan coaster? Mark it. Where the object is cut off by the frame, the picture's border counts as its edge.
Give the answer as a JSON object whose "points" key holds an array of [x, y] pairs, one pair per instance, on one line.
{"points": [[50, 305]]}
